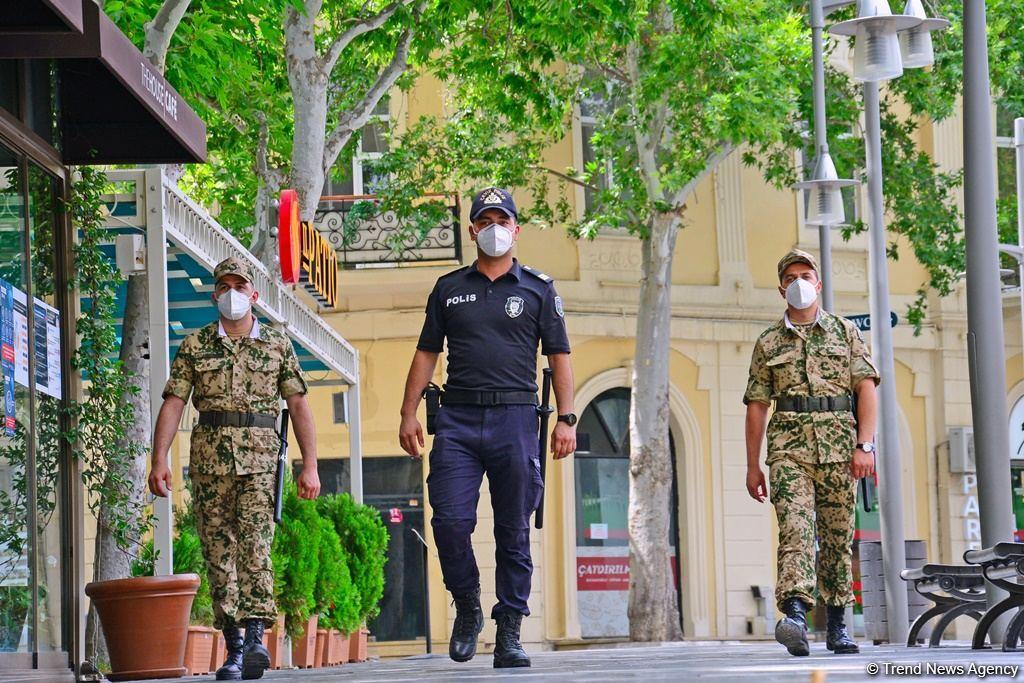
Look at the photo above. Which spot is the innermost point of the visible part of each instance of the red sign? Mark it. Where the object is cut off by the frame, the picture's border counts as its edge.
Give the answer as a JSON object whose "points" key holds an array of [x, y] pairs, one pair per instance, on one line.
{"points": [[306, 257], [395, 516], [602, 573], [608, 573], [289, 243]]}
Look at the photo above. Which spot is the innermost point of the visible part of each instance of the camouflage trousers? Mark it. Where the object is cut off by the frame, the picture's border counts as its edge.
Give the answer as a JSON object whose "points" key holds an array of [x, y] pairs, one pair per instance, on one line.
{"points": [[805, 493], [235, 516]]}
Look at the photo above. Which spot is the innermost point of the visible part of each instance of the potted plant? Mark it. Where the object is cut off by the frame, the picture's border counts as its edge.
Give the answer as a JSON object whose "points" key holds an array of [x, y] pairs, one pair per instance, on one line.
{"points": [[202, 640], [336, 600], [298, 538], [364, 539]]}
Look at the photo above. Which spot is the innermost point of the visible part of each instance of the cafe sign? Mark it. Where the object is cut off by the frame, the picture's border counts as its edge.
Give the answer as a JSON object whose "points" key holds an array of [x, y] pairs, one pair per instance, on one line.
{"points": [[306, 257]]}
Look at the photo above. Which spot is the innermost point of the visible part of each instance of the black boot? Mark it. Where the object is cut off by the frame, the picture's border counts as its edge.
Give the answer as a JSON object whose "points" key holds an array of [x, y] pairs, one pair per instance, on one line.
{"points": [[508, 652], [838, 639], [232, 669], [791, 630], [255, 658], [469, 621]]}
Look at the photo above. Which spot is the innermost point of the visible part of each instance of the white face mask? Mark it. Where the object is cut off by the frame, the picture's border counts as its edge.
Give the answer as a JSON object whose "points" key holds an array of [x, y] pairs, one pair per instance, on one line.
{"points": [[494, 240], [233, 305], [801, 294]]}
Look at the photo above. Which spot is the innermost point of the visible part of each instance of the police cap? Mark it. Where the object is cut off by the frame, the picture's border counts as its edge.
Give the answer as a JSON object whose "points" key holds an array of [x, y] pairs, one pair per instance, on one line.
{"points": [[493, 198]]}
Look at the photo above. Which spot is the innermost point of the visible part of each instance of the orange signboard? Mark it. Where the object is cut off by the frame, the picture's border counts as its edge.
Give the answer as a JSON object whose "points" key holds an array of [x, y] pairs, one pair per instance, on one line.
{"points": [[306, 257]]}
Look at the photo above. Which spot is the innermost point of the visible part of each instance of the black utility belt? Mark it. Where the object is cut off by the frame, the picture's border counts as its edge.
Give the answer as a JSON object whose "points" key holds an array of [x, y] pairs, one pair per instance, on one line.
{"points": [[216, 418], [814, 404], [487, 398]]}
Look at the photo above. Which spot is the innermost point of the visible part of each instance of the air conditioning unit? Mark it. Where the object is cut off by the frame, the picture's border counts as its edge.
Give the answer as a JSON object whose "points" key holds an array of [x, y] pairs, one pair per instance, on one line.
{"points": [[961, 450]]}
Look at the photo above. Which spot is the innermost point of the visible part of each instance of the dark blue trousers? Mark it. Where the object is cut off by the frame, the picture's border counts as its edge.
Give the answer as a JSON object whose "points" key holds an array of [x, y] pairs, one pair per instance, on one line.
{"points": [[500, 441]]}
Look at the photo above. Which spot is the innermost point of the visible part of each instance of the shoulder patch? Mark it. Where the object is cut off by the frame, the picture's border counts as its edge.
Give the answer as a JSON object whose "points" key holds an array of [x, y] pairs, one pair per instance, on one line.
{"points": [[538, 274]]}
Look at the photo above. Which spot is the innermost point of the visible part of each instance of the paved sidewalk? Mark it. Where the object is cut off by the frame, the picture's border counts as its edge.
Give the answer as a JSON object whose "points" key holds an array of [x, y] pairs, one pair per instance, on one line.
{"points": [[705, 661]]}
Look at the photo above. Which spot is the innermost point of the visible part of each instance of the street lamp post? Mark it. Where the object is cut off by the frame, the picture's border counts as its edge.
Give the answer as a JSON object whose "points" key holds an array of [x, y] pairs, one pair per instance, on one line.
{"points": [[879, 56], [825, 205], [985, 352]]}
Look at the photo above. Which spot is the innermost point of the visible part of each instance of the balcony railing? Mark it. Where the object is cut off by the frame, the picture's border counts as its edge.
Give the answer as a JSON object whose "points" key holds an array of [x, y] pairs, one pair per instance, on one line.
{"points": [[380, 241]]}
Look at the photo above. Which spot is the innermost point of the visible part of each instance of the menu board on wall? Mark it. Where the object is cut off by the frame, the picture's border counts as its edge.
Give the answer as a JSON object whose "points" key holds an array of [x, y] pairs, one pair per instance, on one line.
{"points": [[7, 353], [14, 347]]}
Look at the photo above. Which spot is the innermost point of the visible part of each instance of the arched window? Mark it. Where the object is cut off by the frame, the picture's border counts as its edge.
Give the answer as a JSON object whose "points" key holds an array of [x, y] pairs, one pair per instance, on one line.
{"points": [[602, 507]]}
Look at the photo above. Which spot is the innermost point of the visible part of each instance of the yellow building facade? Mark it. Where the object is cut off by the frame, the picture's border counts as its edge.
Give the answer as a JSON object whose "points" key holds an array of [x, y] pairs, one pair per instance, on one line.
{"points": [[724, 294]]}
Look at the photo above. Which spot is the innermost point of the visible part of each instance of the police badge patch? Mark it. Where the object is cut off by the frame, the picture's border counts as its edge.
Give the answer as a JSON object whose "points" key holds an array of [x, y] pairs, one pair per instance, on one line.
{"points": [[514, 306], [558, 307]]}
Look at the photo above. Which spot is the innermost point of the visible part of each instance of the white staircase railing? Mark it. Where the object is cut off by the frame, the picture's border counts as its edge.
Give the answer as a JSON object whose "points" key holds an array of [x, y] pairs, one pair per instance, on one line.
{"points": [[191, 228]]}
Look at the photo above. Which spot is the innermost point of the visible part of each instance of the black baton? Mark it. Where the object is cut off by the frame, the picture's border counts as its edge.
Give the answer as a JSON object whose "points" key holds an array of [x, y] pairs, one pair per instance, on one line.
{"points": [[544, 410], [282, 463]]}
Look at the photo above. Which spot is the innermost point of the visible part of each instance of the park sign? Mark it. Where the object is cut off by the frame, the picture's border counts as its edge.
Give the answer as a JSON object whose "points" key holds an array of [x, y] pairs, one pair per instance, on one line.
{"points": [[863, 321], [306, 257]]}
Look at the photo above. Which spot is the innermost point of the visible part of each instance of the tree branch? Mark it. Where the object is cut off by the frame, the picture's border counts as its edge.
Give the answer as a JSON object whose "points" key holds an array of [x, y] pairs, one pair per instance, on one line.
{"points": [[682, 194], [567, 178], [357, 29], [160, 31], [359, 115], [234, 120]]}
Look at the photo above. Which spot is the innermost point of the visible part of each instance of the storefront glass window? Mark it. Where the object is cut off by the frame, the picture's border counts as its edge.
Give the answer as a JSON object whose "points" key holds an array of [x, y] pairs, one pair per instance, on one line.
{"points": [[15, 584], [43, 216]]}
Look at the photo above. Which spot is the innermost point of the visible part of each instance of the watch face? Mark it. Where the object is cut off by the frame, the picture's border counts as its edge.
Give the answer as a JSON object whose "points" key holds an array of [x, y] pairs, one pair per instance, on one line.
{"points": [[569, 419], [867, 447]]}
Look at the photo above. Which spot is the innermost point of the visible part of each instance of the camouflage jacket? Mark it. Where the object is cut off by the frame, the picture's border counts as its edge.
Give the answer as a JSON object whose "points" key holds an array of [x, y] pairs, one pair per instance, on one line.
{"points": [[248, 375], [827, 359]]}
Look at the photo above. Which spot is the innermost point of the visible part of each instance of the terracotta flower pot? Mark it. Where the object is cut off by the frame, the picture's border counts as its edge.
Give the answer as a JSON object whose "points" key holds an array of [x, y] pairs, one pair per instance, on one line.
{"points": [[220, 651], [199, 647], [341, 647], [145, 623], [304, 647], [357, 645], [319, 658], [273, 640]]}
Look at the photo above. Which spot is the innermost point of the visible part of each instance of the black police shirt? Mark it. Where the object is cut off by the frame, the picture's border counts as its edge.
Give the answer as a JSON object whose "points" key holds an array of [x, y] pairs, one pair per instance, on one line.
{"points": [[493, 327]]}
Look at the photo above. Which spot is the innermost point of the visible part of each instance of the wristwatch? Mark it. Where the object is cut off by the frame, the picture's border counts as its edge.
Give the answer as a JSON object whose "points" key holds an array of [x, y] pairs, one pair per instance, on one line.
{"points": [[867, 447], [568, 418]]}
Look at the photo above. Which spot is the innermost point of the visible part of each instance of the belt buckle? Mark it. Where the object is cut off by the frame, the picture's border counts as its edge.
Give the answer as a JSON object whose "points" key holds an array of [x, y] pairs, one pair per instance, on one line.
{"points": [[250, 419], [489, 398]]}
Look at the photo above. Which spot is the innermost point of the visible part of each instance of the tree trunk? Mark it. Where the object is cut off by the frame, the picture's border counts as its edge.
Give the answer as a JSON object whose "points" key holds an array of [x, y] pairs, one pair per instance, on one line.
{"points": [[112, 562], [653, 611]]}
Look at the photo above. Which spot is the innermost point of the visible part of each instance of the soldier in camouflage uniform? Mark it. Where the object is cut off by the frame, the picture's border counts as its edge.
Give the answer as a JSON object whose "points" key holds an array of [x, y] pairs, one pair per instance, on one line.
{"points": [[236, 371], [810, 364]]}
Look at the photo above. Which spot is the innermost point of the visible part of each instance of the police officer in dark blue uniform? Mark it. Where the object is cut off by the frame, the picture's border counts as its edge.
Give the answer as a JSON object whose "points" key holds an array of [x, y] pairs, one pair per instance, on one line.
{"points": [[493, 313]]}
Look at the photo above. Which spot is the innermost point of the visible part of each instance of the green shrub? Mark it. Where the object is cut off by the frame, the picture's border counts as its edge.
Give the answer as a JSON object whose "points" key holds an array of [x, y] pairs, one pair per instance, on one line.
{"points": [[296, 557], [336, 596], [187, 558], [365, 541]]}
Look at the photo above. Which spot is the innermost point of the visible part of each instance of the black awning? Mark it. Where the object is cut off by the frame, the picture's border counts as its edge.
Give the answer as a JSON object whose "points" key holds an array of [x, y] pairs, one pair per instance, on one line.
{"points": [[41, 15], [114, 107]]}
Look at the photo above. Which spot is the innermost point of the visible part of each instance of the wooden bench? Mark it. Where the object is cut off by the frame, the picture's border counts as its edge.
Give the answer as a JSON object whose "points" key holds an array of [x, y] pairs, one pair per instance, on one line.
{"points": [[956, 590], [1002, 565]]}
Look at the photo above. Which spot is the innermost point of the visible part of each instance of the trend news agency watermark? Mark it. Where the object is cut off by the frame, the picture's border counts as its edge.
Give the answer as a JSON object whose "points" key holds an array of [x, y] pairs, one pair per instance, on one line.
{"points": [[969, 670]]}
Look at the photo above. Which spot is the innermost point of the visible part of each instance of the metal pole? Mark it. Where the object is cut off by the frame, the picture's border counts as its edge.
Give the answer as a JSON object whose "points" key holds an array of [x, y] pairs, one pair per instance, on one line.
{"points": [[159, 351], [1018, 143], [985, 352], [355, 442], [890, 494], [817, 20]]}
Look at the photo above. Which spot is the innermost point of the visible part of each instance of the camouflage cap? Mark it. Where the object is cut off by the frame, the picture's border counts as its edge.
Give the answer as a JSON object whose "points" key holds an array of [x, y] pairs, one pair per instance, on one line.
{"points": [[796, 256], [232, 266]]}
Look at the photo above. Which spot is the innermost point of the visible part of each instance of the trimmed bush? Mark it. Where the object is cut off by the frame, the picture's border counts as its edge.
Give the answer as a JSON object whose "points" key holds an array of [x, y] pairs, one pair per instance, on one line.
{"points": [[365, 541], [296, 557]]}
